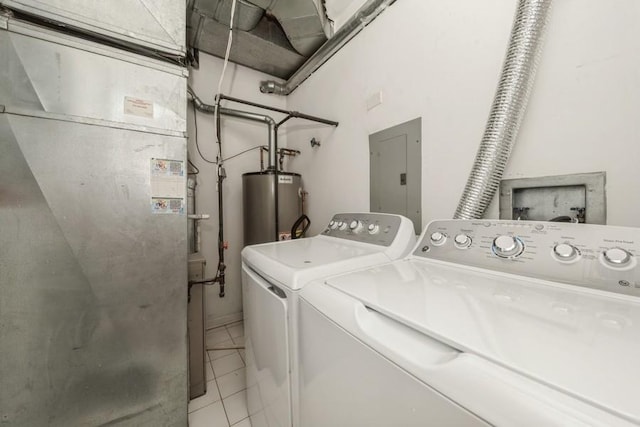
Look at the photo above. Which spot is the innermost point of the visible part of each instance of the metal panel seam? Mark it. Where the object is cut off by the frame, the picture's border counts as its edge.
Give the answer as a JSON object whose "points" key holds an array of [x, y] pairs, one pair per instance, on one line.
{"points": [[91, 122], [22, 28]]}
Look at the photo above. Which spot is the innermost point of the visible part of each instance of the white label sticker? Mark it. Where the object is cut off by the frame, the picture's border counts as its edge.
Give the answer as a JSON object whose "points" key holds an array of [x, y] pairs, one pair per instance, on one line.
{"points": [[160, 205], [168, 186], [138, 107], [167, 168], [284, 235], [284, 179]]}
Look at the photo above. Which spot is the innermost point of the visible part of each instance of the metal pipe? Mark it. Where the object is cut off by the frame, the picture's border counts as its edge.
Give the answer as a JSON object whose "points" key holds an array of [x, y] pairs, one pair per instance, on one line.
{"points": [[508, 109], [290, 114], [271, 129], [191, 209], [262, 150], [222, 267], [276, 190], [273, 135], [270, 122], [367, 13], [286, 119]]}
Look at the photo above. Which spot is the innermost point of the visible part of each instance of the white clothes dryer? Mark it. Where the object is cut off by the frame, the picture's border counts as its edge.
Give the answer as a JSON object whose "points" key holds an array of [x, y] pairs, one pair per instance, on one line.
{"points": [[486, 323], [272, 276]]}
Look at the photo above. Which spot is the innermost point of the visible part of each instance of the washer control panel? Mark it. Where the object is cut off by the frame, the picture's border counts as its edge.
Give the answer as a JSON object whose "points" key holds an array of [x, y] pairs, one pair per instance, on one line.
{"points": [[595, 256], [379, 229]]}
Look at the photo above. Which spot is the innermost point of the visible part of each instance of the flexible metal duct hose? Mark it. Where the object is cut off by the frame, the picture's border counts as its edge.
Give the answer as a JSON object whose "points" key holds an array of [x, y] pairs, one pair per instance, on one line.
{"points": [[509, 106]]}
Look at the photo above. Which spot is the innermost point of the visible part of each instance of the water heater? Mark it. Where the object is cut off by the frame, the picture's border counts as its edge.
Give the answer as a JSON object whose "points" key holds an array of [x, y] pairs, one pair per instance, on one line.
{"points": [[259, 198]]}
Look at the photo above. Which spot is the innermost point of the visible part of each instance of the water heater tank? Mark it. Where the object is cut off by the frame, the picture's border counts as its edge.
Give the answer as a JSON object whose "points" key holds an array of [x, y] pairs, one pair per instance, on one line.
{"points": [[258, 196]]}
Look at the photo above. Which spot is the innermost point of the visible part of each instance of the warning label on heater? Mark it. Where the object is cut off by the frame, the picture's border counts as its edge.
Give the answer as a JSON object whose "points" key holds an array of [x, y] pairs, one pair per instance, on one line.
{"points": [[138, 107], [284, 179], [161, 205], [168, 186]]}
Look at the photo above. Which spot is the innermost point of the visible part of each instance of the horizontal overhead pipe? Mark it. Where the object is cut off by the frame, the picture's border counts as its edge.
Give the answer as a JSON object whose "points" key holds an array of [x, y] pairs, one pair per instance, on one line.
{"points": [[270, 122], [349, 30], [290, 114]]}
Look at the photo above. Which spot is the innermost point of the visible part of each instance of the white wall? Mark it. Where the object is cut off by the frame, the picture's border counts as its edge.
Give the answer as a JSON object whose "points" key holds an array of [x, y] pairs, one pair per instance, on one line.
{"points": [[440, 60], [237, 135]]}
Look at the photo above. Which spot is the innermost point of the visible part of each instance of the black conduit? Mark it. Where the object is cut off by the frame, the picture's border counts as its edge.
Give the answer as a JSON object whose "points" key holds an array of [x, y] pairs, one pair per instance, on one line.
{"points": [[220, 274]]}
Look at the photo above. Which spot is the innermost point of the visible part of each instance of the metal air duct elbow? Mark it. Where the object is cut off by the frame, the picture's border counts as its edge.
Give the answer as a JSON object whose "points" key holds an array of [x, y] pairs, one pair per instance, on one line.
{"points": [[270, 86], [508, 109]]}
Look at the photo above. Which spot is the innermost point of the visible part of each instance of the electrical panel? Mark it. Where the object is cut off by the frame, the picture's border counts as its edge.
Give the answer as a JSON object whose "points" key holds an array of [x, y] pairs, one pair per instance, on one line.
{"points": [[395, 167]]}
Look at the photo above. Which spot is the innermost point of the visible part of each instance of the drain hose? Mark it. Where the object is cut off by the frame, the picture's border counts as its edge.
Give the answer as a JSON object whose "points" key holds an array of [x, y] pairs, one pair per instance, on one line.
{"points": [[507, 111]]}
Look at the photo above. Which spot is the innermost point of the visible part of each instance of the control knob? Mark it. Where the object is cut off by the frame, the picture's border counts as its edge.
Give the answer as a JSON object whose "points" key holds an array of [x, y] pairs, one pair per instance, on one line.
{"points": [[462, 241], [342, 225], [355, 226], [333, 225], [565, 252], [507, 246], [373, 228], [617, 257], [438, 238]]}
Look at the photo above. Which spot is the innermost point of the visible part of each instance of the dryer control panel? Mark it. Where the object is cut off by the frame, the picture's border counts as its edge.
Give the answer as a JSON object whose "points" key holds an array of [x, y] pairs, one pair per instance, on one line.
{"points": [[374, 228], [595, 256]]}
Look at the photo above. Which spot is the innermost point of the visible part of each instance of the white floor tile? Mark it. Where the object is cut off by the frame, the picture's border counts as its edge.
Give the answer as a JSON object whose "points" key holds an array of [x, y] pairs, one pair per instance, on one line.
{"points": [[227, 364], [244, 423], [217, 336], [209, 370], [236, 330], [259, 420], [209, 416], [217, 354], [212, 395], [239, 340], [236, 407], [232, 383]]}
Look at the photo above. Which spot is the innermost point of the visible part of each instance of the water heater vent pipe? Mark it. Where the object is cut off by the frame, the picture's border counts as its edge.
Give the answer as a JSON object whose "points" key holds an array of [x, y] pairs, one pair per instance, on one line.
{"points": [[261, 118]]}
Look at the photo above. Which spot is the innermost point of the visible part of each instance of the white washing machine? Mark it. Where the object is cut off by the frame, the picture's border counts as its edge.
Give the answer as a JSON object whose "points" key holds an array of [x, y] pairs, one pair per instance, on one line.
{"points": [[272, 276], [486, 323]]}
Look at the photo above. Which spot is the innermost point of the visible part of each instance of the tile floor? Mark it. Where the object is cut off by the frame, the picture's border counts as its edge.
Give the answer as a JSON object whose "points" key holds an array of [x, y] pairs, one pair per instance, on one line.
{"points": [[225, 403]]}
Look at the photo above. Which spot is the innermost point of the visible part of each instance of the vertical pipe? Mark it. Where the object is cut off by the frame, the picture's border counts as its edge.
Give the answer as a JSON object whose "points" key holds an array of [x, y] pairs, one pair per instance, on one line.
{"points": [[276, 183], [221, 176], [273, 138], [508, 109]]}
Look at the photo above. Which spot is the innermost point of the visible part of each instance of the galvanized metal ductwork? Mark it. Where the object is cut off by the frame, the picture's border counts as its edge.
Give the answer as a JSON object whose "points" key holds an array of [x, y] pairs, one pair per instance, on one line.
{"points": [[272, 36], [367, 13], [246, 16], [303, 21], [509, 106]]}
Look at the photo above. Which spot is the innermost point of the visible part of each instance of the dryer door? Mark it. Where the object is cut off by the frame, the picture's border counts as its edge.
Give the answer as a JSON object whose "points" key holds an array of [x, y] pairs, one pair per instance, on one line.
{"points": [[267, 351]]}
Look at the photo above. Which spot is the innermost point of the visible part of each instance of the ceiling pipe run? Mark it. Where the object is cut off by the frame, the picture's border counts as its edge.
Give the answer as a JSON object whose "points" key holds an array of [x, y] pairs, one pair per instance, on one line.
{"points": [[508, 109], [367, 13]]}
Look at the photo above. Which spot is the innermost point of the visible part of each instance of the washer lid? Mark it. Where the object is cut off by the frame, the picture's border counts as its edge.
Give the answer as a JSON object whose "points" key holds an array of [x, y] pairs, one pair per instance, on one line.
{"points": [[295, 262], [583, 342]]}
